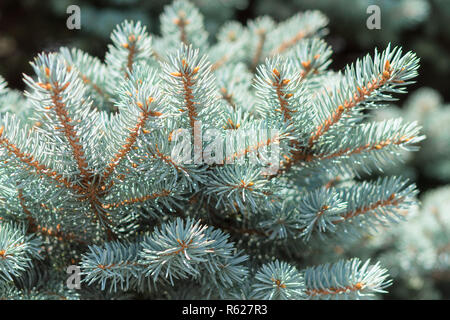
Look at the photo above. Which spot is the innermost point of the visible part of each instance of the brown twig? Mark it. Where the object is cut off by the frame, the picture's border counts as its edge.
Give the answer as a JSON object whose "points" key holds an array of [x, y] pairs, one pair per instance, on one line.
{"points": [[181, 22], [279, 84], [357, 98], [332, 291]]}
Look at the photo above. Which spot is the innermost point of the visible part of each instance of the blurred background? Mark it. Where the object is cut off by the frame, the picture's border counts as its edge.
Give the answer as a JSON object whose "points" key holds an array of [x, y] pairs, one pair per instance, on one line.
{"points": [[417, 253]]}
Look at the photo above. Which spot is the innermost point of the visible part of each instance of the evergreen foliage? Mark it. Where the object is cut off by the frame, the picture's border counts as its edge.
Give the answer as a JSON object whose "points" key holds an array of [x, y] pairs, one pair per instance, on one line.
{"points": [[89, 175]]}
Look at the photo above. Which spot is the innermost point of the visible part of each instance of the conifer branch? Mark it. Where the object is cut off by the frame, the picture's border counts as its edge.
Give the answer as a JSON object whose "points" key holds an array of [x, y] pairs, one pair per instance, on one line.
{"points": [[392, 200], [70, 56], [360, 149], [130, 141], [68, 128], [337, 280], [88, 81], [288, 43], [359, 96], [131, 53], [259, 49], [187, 80], [181, 22], [167, 159], [252, 148], [39, 168], [163, 193], [279, 84]]}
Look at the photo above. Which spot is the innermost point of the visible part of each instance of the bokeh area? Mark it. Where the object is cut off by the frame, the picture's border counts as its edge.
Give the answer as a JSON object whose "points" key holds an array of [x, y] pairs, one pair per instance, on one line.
{"points": [[417, 252]]}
